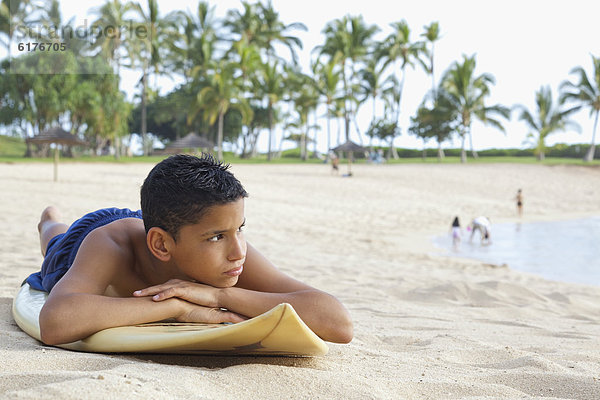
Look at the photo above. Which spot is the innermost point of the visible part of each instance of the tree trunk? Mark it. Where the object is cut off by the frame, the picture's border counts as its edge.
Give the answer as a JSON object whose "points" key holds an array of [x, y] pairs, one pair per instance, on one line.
{"points": [[358, 131], [590, 154], [328, 133], [270, 130], [347, 123], [303, 146], [254, 141], [338, 131], [473, 152], [463, 153], [441, 154], [393, 149], [143, 128], [315, 153], [280, 150], [346, 115], [117, 144], [245, 143], [220, 136]]}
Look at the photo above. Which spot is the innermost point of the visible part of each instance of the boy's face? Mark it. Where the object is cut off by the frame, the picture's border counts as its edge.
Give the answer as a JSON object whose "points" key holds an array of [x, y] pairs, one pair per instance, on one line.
{"points": [[213, 250]]}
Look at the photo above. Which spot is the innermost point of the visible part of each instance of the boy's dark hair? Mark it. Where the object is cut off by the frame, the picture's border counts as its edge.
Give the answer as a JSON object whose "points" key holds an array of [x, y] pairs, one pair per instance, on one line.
{"points": [[180, 189]]}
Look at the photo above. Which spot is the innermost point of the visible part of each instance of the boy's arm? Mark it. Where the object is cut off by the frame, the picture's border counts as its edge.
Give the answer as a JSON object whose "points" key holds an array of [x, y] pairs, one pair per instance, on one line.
{"points": [[77, 306], [261, 287]]}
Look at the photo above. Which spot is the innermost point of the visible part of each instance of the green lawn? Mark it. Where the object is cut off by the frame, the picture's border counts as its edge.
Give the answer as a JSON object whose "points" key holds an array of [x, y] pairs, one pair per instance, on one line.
{"points": [[11, 147], [12, 150], [495, 159]]}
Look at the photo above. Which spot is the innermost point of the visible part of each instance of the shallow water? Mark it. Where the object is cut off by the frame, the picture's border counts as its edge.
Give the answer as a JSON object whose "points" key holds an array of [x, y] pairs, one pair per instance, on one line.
{"points": [[567, 251]]}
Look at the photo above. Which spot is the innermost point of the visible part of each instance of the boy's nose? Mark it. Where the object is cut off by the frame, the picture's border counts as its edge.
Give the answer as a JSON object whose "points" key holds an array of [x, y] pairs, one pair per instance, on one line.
{"points": [[238, 249]]}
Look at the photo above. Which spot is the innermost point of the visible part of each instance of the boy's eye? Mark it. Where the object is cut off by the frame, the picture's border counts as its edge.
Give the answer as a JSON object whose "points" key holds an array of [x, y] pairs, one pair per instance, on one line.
{"points": [[216, 238]]}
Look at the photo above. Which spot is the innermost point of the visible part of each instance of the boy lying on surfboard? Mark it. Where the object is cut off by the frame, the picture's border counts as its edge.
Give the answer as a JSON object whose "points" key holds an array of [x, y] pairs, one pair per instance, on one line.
{"points": [[182, 257]]}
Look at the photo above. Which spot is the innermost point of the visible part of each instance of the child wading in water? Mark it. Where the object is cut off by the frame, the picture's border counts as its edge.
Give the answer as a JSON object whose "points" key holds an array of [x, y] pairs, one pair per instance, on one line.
{"points": [[456, 233], [182, 257]]}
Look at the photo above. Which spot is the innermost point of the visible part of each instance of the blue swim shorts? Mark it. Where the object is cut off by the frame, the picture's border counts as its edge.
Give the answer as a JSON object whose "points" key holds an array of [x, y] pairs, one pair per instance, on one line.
{"points": [[62, 248]]}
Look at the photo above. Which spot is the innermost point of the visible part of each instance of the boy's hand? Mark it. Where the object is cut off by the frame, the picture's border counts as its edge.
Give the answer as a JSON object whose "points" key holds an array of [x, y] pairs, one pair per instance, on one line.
{"points": [[197, 293], [199, 302], [199, 314]]}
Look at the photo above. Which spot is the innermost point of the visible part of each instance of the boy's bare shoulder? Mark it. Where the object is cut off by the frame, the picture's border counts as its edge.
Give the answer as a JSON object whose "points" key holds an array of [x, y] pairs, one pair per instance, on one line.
{"points": [[110, 255], [127, 234]]}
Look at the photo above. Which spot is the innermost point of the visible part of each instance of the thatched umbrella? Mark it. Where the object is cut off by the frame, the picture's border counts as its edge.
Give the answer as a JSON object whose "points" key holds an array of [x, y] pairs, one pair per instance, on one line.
{"points": [[191, 141], [350, 147], [57, 136]]}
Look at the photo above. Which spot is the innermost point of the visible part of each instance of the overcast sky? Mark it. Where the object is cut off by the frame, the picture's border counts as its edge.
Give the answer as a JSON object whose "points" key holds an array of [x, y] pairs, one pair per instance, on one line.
{"points": [[524, 44]]}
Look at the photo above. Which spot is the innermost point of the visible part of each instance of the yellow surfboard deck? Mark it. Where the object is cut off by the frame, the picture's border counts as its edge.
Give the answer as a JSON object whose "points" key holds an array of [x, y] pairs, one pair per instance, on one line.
{"points": [[279, 331]]}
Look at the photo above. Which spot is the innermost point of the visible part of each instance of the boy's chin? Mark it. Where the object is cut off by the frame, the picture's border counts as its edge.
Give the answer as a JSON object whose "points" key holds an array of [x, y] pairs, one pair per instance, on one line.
{"points": [[224, 284]]}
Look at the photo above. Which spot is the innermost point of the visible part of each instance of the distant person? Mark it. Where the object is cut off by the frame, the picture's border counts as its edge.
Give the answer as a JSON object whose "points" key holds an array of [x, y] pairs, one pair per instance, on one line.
{"points": [[483, 225], [335, 164], [456, 232], [519, 199]]}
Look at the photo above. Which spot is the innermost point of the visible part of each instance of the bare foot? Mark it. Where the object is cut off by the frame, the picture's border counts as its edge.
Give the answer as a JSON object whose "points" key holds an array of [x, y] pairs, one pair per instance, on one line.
{"points": [[50, 226]]}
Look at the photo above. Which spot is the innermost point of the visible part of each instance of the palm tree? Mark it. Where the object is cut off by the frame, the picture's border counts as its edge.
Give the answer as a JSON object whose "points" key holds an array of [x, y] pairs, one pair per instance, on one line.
{"points": [[12, 14], [438, 121], [247, 58], [245, 24], [5, 19], [112, 13], [305, 98], [270, 84], [272, 30], [547, 119], [149, 51], [221, 93], [327, 78], [371, 83], [398, 46], [196, 46], [391, 97], [351, 39], [137, 51], [384, 129], [467, 93], [587, 93], [161, 34], [432, 35]]}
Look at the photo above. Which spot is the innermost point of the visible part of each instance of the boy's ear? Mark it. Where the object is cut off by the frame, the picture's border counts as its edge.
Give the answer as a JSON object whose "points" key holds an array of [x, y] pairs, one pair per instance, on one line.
{"points": [[160, 243]]}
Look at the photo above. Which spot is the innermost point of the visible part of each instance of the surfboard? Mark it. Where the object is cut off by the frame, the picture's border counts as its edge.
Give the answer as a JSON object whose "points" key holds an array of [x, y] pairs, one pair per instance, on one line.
{"points": [[279, 331]]}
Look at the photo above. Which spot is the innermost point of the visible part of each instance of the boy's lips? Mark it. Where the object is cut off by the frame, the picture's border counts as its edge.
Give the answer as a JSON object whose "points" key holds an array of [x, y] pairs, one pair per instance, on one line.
{"points": [[235, 271]]}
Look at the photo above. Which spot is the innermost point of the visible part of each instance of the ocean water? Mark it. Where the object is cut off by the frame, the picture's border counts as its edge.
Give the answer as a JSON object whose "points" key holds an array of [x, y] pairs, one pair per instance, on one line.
{"points": [[567, 251]]}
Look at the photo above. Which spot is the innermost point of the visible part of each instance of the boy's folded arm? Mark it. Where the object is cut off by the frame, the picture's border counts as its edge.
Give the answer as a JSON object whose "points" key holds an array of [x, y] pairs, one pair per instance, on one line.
{"points": [[69, 317], [78, 307], [322, 312], [262, 286]]}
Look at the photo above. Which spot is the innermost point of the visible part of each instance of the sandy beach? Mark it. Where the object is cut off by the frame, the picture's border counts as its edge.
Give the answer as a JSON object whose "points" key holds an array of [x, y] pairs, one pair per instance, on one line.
{"points": [[426, 326]]}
